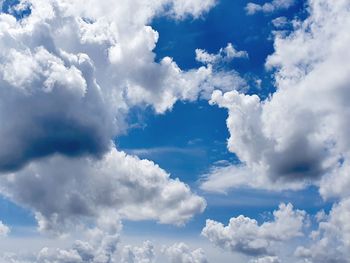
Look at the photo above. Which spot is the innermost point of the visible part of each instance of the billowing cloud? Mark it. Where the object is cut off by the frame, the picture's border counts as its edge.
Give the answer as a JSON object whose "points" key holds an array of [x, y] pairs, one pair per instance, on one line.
{"points": [[331, 241], [181, 253], [143, 254], [62, 190], [270, 7], [298, 136], [245, 235], [70, 71]]}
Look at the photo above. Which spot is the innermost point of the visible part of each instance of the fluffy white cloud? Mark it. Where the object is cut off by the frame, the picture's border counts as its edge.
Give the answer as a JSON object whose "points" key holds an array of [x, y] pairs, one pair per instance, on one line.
{"points": [[4, 229], [65, 190], [71, 70], [273, 6], [244, 235], [143, 254], [99, 246], [299, 134], [181, 253], [331, 241], [224, 55]]}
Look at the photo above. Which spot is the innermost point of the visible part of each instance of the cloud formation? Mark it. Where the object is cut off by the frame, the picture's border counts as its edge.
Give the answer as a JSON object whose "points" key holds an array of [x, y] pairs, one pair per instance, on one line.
{"points": [[297, 136], [65, 190], [331, 241], [270, 7], [70, 71], [181, 253], [224, 55], [244, 235]]}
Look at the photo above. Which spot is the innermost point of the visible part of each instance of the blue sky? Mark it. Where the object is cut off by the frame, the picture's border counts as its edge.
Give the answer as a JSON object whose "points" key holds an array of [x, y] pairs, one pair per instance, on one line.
{"points": [[97, 82]]}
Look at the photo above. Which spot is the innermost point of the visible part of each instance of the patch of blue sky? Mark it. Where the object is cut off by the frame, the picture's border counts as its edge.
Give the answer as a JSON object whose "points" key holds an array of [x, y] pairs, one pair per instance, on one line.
{"points": [[8, 7], [13, 215]]}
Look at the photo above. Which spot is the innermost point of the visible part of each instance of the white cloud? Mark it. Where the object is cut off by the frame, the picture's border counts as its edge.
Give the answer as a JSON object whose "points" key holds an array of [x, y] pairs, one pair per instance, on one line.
{"points": [[63, 191], [280, 22], [224, 55], [143, 254], [181, 253], [244, 235], [71, 70], [270, 7], [331, 241], [221, 179], [298, 136], [4, 229]]}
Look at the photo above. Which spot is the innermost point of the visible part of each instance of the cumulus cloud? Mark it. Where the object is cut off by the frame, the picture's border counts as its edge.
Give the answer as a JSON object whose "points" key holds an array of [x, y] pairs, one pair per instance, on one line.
{"points": [[143, 254], [181, 253], [99, 246], [70, 71], [4, 229], [245, 235], [62, 191], [299, 134], [269, 7], [331, 241]]}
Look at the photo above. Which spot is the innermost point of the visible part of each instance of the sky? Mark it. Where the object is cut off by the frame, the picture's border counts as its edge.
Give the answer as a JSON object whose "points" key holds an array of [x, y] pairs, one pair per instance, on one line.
{"points": [[174, 131]]}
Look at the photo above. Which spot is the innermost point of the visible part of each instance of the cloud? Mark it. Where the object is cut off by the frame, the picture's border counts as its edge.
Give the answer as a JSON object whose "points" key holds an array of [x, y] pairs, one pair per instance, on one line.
{"points": [[299, 134], [221, 179], [330, 242], [71, 71], [64, 191], [270, 7], [224, 55], [267, 259], [244, 235], [4, 229], [99, 246], [181, 253], [143, 254]]}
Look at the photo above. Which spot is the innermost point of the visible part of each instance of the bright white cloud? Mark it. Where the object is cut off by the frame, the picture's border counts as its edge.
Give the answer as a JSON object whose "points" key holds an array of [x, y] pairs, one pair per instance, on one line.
{"points": [[270, 7], [244, 235], [331, 241], [298, 136], [224, 55], [143, 254], [181, 253]]}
